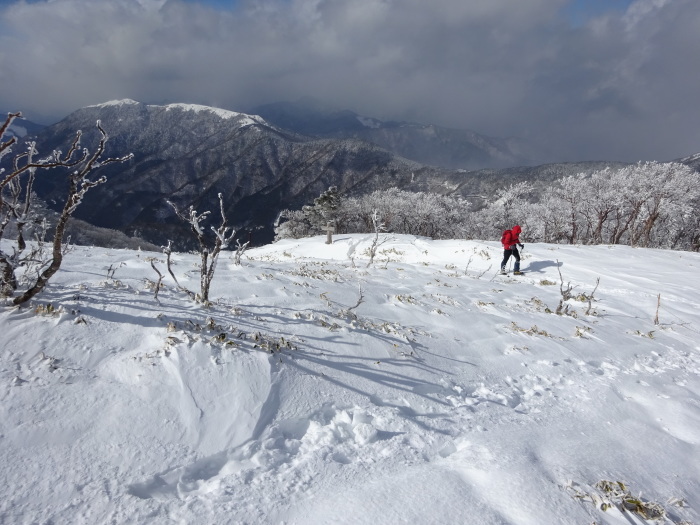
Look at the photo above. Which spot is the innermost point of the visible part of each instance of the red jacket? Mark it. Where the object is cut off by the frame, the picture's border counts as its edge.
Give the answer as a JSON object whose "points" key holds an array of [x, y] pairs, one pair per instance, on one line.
{"points": [[511, 237]]}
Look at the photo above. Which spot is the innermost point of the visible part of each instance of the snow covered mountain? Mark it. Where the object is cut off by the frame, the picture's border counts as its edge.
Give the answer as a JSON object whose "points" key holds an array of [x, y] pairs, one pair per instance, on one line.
{"points": [[188, 154], [693, 161], [22, 128], [426, 144], [423, 389]]}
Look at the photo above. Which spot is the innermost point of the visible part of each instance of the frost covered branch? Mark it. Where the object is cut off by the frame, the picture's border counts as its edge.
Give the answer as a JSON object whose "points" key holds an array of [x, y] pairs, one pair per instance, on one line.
{"points": [[378, 226], [17, 208], [209, 256]]}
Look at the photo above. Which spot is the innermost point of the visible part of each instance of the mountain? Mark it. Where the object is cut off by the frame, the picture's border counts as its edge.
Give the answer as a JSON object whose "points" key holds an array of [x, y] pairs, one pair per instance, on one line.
{"points": [[424, 143], [188, 154], [693, 161], [21, 128]]}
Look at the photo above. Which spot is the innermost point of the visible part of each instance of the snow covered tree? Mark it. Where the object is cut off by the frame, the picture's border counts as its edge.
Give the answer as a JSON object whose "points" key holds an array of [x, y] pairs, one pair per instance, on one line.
{"points": [[312, 219], [292, 224], [548, 218], [324, 210], [646, 204], [16, 207], [378, 226], [659, 192], [511, 206]]}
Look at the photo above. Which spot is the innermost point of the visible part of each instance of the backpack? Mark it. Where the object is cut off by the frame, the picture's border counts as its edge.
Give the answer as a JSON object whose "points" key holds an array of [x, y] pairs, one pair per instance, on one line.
{"points": [[506, 237]]}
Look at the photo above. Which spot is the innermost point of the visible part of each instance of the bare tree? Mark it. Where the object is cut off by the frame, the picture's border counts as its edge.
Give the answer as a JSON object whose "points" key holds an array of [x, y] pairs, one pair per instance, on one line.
{"points": [[566, 294], [240, 250], [209, 255], [378, 225], [16, 203]]}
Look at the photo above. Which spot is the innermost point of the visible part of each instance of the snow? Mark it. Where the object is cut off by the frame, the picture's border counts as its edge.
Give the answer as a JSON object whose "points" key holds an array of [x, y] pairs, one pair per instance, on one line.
{"points": [[369, 122], [120, 102], [246, 120], [448, 395], [17, 131], [692, 158]]}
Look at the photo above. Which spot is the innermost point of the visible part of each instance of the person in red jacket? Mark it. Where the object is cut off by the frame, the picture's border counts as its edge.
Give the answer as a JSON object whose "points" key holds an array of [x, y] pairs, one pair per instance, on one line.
{"points": [[510, 241]]}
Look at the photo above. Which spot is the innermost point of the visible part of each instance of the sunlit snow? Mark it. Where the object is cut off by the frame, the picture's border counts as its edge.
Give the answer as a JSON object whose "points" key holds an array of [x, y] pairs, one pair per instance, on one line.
{"points": [[120, 102], [246, 120], [423, 389]]}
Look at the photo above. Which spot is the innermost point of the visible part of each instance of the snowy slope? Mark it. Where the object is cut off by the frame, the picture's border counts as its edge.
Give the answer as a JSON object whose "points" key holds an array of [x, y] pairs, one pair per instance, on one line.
{"points": [[449, 394]]}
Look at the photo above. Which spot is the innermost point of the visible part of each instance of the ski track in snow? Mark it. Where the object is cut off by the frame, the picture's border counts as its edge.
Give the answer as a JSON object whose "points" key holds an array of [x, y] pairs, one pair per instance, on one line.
{"points": [[447, 392]]}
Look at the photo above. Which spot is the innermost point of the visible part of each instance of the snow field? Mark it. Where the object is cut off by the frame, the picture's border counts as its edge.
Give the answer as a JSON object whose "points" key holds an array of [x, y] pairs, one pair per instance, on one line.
{"points": [[448, 394]]}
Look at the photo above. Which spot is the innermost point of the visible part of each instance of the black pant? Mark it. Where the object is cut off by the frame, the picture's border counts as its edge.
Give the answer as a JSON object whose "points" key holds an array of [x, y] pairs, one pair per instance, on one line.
{"points": [[506, 255]]}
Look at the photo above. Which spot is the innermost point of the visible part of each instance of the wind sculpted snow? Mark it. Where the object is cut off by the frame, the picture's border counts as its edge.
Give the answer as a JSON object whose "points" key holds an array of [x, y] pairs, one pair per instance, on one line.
{"points": [[422, 389]]}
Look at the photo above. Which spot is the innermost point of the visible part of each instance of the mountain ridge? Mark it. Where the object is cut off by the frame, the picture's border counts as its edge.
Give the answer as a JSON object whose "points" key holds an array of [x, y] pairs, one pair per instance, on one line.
{"points": [[424, 143], [188, 154]]}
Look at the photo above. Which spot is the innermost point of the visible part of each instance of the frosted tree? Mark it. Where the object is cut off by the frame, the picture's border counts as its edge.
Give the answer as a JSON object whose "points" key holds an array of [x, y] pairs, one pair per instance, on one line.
{"points": [[426, 214], [16, 206], [379, 227], [209, 255], [511, 207], [548, 217], [324, 210], [601, 198], [662, 191], [291, 224], [313, 218], [644, 204]]}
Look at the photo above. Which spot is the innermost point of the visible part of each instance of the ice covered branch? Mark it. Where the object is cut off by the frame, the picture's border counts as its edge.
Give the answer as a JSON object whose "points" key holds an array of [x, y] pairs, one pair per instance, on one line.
{"points": [[209, 256]]}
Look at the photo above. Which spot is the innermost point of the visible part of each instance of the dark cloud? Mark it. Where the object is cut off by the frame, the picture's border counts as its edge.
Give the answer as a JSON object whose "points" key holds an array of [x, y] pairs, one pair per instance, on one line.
{"points": [[622, 86]]}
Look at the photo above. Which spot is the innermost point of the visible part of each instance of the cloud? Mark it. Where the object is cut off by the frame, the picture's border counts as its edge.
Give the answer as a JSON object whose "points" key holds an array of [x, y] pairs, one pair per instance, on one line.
{"points": [[621, 86]]}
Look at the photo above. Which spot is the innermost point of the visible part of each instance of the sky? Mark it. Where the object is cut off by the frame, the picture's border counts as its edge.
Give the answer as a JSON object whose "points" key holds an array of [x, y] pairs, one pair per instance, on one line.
{"points": [[582, 80]]}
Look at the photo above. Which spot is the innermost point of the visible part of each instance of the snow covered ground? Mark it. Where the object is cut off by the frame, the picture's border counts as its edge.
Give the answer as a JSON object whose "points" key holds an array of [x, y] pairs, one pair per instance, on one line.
{"points": [[449, 394]]}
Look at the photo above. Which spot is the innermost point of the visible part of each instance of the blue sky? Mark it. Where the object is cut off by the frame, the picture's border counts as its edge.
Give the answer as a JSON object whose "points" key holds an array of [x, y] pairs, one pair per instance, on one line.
{"points": [[580, 11], [218, 4], [623, 88]]}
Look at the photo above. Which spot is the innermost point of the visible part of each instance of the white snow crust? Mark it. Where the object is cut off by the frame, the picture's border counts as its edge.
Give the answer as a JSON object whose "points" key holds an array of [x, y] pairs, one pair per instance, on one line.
{"points": [[120, 102], [369, 122], [450, 394], [691, 158], [245, 120]]}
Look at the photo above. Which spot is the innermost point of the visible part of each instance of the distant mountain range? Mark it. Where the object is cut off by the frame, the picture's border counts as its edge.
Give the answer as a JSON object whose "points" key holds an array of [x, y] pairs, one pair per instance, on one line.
{"points": [[188, 154], [693, 161], [427, 144], [21, 128]]}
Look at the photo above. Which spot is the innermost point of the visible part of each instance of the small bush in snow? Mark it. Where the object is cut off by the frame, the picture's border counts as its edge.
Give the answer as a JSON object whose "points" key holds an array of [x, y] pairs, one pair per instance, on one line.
{"points": [[606, 495]]}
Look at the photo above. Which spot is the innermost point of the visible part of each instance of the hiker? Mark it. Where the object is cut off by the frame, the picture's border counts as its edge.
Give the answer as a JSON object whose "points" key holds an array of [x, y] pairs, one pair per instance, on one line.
{"points": [[510, 241]]}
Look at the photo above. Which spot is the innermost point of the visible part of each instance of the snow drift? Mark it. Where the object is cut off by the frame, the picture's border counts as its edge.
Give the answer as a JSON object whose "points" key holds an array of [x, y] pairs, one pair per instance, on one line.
{"points": [[423, 389]]}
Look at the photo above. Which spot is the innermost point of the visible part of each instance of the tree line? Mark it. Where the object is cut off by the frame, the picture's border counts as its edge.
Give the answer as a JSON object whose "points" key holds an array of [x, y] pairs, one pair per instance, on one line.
{"points": [[648, 204]]}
